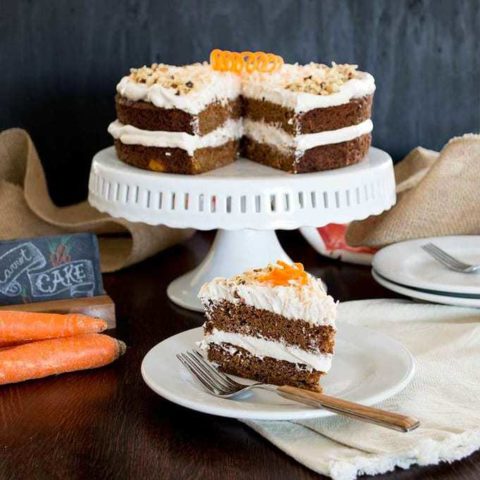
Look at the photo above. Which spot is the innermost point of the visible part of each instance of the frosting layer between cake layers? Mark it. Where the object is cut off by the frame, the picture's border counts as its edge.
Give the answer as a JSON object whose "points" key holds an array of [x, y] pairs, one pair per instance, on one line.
{"points": [[261, 347], [129, 135], [269, 133]]}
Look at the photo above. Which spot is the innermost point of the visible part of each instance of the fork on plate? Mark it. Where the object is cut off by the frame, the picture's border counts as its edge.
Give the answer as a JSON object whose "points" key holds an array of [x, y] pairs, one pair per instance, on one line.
{"points": [[448, 261], [223, 386]]}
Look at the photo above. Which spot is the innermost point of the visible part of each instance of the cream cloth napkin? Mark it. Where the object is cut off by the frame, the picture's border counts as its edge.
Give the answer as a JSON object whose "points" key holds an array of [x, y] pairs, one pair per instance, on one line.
{"points": [[437, 194], [444, 395], [28, 211]]}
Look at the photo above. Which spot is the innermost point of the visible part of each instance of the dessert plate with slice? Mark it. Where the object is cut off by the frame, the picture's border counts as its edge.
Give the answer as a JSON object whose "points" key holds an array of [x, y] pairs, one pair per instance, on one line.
{"points": [[368, 367]]}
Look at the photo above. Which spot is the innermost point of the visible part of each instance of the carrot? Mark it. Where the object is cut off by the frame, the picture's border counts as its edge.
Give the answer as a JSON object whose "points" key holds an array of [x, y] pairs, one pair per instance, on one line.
{"points": [[18, 327], [59, 355]]}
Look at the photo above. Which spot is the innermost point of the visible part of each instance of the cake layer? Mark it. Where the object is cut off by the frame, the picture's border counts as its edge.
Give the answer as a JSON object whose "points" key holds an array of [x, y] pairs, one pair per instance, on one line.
{"points": [[250, 321], [325, 157], [356, 111], [279, 350], [177, 160], [237, 361], [309, 302], [129, 135], [146, 116]]}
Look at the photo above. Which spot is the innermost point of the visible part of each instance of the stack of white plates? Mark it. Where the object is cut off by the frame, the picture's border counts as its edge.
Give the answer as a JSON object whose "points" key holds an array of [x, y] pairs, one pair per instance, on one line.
{"points": [[407, 269]]}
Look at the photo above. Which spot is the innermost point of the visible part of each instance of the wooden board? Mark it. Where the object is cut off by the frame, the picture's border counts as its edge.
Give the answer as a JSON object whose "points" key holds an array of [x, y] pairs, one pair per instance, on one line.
{"points": [[101, 306]]}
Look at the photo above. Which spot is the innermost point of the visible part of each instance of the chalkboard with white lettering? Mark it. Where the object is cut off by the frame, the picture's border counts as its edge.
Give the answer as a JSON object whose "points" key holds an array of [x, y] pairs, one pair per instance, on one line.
{"points": [[49, 268]]}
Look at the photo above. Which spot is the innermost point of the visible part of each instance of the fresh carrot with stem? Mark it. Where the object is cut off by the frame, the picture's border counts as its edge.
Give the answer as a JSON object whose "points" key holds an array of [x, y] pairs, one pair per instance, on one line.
{"points": [[59, 355], [18, 326]]}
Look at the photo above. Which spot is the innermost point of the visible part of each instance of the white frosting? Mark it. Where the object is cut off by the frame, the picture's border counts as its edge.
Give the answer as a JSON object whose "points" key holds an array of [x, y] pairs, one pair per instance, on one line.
{"points": [[261, 347], [271, 88], [221, 87], [127, 134], [268, 133], [309, 303]]}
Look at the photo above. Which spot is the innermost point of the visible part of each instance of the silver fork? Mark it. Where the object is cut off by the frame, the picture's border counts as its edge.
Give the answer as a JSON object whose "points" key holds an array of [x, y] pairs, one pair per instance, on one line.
{"points": [[221, 385], [448, 261]]}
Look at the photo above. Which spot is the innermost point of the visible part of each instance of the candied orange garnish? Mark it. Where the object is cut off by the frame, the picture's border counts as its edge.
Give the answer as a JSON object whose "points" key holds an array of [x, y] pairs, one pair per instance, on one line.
{"points": [[238, 62], [284, 273]]}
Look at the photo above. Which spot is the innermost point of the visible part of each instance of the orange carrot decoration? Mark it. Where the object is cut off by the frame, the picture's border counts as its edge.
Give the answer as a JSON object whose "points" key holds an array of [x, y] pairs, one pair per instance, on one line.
{"points": [[238, 62], [17, 326], [60, 355], [284, 274]]}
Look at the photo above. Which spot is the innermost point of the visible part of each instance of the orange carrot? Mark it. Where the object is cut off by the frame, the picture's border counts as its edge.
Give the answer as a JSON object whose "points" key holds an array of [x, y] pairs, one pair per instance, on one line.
{"points": [[59, 355], [282, 274], [19, 327]]}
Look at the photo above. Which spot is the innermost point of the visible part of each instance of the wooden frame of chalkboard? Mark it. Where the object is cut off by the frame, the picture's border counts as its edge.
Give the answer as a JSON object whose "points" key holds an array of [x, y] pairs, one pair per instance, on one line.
{"points": [[101, 306]]}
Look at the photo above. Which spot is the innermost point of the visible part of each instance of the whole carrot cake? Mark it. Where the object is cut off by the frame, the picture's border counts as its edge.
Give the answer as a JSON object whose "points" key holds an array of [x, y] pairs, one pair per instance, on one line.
{"points": [[275, 325], [194, 118], [177, 119]]}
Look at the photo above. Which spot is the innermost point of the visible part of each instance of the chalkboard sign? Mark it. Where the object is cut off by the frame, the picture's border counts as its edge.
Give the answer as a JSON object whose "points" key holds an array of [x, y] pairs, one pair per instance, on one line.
{"points": [[49, 268]]}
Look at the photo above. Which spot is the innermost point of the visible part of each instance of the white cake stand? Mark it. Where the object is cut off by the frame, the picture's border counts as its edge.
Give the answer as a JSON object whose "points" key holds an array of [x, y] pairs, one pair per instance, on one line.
{"points": [[245, 201]]}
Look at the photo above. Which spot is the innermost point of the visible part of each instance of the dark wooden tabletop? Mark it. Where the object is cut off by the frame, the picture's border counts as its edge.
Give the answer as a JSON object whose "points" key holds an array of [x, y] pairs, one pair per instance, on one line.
{"points": [[107, 423]]}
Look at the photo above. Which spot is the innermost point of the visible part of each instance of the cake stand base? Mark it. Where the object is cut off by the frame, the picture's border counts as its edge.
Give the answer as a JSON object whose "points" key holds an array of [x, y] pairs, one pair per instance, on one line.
{"points": [[232, 252]]}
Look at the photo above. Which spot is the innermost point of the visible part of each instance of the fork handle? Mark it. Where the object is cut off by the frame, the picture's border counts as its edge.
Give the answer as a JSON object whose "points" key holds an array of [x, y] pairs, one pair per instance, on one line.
{"points": [[395, 421]]}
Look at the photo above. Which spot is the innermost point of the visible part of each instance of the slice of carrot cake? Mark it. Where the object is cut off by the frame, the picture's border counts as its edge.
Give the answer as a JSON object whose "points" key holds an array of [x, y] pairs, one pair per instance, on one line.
{"points": [[275, 325]]}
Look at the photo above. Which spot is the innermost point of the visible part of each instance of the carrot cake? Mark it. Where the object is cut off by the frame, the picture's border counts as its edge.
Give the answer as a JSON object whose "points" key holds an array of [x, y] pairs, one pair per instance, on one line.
{"points": [[194, 118], [275, 325], [177, 119], [306, 118]]}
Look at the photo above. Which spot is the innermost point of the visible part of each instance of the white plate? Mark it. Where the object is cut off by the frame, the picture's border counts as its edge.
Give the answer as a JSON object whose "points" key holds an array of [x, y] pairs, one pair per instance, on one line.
{"points": [[407, 264], [368, 367], [449, 299]]}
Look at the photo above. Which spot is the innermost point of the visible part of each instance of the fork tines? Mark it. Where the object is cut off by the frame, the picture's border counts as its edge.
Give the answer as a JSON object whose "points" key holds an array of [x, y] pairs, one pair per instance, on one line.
{"points": [[444, 257], [214, 381]]}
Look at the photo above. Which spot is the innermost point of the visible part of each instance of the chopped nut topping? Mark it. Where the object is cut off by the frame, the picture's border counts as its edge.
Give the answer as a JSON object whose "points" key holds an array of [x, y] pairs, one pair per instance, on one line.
{"points": [[183, 80], [321, 79], [313, 78]]}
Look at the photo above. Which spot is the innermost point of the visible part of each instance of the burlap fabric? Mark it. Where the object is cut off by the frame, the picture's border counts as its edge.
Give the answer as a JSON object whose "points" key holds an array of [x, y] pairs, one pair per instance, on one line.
{"points": [[28, 211], [438, 194]]}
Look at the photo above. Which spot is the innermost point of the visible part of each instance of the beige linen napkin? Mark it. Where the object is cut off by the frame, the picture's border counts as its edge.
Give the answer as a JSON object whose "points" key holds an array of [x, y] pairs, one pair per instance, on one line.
{"points": [[444, 395], [28, 211], [438, 194]]}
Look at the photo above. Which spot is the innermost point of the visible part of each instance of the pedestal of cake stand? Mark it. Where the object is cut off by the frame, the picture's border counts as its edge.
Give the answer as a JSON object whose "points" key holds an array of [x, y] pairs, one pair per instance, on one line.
{"points": [[232, 252], [246, 201]]}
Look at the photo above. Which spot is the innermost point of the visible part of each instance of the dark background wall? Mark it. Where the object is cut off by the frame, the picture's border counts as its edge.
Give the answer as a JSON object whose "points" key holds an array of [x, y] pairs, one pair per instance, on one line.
{"points": [[61, 59]]}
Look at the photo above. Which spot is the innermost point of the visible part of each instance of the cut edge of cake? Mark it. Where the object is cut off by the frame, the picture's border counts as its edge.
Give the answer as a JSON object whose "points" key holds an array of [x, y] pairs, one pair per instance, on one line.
{"points": [[307, 118], [178, 119]]}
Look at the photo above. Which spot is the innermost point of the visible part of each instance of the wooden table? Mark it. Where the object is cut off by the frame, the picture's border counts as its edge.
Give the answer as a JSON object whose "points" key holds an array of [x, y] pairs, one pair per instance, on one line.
{"points": [[108, 424]]}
